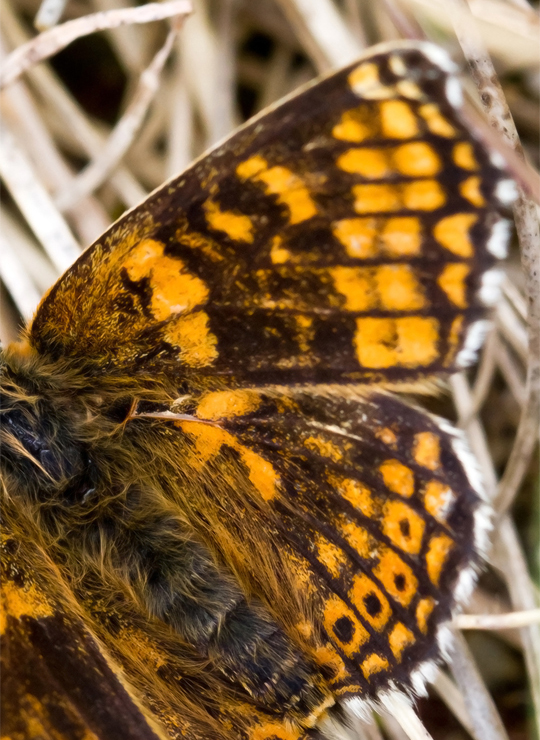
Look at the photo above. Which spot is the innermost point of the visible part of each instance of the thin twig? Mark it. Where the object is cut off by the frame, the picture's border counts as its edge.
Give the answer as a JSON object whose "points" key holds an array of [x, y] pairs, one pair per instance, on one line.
{"points": [[49, 13], [483, 713], [322, 32], [35, 203], [16, 279], [66, 113], [50, 42], [453, 698], [497, 621]]}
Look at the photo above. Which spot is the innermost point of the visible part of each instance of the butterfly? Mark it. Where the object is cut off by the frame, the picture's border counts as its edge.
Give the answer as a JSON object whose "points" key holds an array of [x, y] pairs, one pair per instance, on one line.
{"points": [[222, 518]]}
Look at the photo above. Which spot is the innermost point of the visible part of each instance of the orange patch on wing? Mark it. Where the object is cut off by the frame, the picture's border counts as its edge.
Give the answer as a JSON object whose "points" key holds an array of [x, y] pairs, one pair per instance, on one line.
{"points": [[350, 128], [409, 89], [452, 281], [370, 163], [397, 477], [275, 731], [364, 238], [396, 576], [355, 493], [357, 236], [374, 663], [358, 538], [470, 189], [208, 441], [436, 122], [356, 284], [324, 447], [385, 342], [453, 233], [227, 404], [437, 554], [173, 289], [423, 195], [370, 601], [377, 198], [19, 602], [330, 555], [398, 288], [399, 639], [398, 120], [427, 450], [289, 188], [401, 236], [389, 287], [416, 159], [192, 335], [454, 337], [278, 253], [327, 657], [387, 436], [438, 498], [423, 611], [343, 627], [365, 82], [463, 156], [237, 226], [403, 526], [261, 474]]}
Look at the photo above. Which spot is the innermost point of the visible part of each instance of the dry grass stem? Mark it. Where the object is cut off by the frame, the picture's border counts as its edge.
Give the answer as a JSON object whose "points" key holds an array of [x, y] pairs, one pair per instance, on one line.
{"points": [[497, 621], [52, 41], [485, 719], [123, 134], [49, 13], [322, 32], [35, 203], [15, 277], [453, 698]]}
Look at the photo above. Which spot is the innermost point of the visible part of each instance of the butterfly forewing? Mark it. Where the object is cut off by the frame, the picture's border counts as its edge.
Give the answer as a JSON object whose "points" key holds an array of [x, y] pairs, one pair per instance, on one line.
{"points": [[343, 235]]}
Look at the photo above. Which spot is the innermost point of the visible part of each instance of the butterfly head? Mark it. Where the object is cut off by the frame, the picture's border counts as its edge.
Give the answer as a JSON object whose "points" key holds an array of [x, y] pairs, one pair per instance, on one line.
{"points": [[42, 458]]}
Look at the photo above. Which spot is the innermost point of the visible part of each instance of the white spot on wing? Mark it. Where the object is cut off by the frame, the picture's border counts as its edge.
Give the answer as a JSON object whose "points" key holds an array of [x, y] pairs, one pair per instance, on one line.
{"points": [[497, 242], [506, 192], [438, 56], [490, 289], [497, 160], [454, 93], [473, 341]]}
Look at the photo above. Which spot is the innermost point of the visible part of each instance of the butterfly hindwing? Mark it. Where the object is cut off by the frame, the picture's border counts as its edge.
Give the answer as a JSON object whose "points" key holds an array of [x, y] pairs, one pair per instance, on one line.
{"points": [[379, 508], [341, 236]]}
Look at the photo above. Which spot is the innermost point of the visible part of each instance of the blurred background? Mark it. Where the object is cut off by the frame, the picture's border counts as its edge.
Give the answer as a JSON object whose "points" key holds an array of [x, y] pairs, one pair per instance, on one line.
{"points": [[107, 118]]}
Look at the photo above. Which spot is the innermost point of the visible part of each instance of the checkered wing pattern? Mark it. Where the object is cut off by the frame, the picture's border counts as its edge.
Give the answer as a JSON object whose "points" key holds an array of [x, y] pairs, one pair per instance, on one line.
{"points": [[381, 513], [346, 235]]}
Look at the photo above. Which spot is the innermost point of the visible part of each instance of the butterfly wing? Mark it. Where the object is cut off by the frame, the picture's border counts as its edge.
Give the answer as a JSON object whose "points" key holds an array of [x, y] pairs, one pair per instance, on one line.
{"points": [[345, 235], [379, 505], [57, 681]]}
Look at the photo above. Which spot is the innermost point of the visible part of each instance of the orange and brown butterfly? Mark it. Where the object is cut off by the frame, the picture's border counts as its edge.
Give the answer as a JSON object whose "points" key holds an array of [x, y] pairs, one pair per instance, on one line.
{"points": [[221, 518]]}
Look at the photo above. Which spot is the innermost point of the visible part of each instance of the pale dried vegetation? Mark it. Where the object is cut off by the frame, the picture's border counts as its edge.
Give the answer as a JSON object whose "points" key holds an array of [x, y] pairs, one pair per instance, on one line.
{"points": [[92, 128]]}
